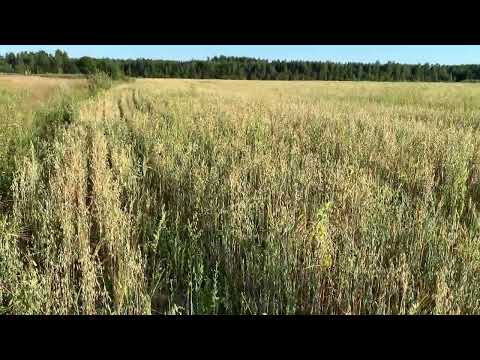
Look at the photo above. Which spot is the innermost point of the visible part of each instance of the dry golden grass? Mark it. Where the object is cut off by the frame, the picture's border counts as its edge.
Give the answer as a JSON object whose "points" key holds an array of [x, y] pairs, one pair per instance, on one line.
{"points": [[37, 89], [249, 197], [22, 99]]}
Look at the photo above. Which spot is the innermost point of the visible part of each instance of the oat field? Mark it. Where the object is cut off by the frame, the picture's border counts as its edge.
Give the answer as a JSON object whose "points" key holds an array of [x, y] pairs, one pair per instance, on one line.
{"points": [[242, 197]]}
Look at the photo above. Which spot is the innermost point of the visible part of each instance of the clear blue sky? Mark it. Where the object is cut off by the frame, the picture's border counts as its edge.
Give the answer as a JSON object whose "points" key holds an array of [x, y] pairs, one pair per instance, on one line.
{"points": [[410, 54]]}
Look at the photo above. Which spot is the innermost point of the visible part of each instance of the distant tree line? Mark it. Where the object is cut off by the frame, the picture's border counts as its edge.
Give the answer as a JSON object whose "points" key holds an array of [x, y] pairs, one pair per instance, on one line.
{"points": [[234, 68]]}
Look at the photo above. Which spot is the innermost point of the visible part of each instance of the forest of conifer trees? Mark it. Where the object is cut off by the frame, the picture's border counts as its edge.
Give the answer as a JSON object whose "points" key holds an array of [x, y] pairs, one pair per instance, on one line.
{"points": [[240, 68]]}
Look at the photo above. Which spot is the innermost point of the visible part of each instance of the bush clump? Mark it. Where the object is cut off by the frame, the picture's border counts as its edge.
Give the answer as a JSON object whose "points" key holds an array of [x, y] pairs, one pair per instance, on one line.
{"points": [[99, 81]]}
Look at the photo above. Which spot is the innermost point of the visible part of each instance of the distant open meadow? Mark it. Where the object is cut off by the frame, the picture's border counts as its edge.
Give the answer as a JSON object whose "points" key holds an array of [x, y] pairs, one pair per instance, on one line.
{"points": [[174, 196]]}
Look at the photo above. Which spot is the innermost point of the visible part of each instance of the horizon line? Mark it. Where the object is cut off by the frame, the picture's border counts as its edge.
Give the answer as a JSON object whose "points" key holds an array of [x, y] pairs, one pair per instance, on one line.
{"points": [[52, 52]]}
